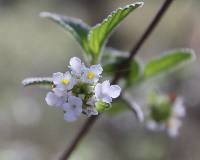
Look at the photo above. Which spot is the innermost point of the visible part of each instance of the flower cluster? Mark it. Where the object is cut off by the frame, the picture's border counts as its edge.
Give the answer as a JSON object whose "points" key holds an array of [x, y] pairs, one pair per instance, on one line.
{"points": [[166, 114], [78, 91]]}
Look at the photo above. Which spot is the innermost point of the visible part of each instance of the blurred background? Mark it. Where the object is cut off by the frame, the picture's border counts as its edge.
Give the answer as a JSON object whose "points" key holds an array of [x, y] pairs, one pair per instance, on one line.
{"points": [[31, 46]]}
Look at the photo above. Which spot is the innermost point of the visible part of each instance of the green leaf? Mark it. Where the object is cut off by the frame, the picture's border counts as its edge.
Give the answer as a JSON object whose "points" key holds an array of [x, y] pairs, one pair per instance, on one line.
{"points": [[42, 81], [110, 55], [100, 33], [72, 25], [114, 58], [111, 59], [168, 61], [134, 73]]}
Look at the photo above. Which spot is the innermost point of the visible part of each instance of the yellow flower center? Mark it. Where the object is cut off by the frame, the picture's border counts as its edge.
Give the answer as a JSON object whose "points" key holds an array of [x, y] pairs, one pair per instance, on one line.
{"points": [[90, 75], [65, 81]]}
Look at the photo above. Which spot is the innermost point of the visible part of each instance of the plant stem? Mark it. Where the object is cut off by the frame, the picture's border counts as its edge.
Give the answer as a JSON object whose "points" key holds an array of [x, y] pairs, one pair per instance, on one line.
{"points": [[144, 37], [83, 131], [150, 28], [88, 124]]}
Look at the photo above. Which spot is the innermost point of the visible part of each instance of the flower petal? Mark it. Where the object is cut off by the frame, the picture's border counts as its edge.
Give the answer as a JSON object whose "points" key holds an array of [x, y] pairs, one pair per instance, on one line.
{"points": [[106, 87], [53, 100], [67, 107], [114, 91], [57, 77], [90, 111], [97, 69], [59, 93], [67, 75], [178, 107], [75, 65], [75, 101], [173, 127], [106, 99], [98, 91], [70, 116], [78, 110]]}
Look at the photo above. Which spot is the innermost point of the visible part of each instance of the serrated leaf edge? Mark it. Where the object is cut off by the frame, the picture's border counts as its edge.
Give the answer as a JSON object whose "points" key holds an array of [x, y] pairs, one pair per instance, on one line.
{"points": [[140, 4], [37, 80]]}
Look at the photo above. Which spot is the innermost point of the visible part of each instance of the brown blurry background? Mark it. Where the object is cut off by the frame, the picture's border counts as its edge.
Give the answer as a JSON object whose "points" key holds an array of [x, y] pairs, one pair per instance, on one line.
{"points": [[31, 46]]}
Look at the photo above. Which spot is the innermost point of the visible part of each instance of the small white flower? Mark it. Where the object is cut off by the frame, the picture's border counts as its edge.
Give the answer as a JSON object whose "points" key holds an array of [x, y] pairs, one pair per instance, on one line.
{"points": [[179, 108], [173, 127], [63, 81], [76, 66], [91, 75], [73, 108], [106, 92], [90, 110], [173, 124], [56, 98], [155, 126]]}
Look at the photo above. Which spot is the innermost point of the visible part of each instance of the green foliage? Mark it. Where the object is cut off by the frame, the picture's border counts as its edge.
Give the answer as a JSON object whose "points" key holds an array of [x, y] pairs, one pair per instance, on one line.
{"points": [[76, 27], [160, 107], [92, 39], [100, 33], [166, 62], [134, 72], [101, 106], [42, 81], [114, 59]]}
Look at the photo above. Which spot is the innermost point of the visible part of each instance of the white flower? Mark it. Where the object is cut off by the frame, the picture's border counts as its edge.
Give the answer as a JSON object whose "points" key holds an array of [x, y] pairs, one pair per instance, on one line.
{"points": [[63, 81], [178, 109], [155, 126], [76, 66], [173, 124], [92, 74], [105, 92], [56, 98], [72, 109], [90, 110], [173, 127]]}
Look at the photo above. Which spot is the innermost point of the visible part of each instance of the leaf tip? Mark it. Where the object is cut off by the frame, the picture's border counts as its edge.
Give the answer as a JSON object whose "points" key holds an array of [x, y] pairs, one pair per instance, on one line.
{"points": [[25, 82], [44, 14], [191, 52], [37, 80], [137, 4], [49, 15]]}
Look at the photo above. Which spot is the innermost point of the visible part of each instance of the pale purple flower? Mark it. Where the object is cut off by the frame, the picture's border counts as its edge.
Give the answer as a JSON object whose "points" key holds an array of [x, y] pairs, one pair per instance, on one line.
{"points": [[92, 74], [56, 98], [76, 66], [91, 110], [73, 108], [105, 92], [63, 81]]}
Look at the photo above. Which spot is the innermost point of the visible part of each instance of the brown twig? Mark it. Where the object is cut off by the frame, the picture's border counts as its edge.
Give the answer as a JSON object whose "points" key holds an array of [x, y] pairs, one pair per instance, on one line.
{"points": [[144, 37], [88, 124]]}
